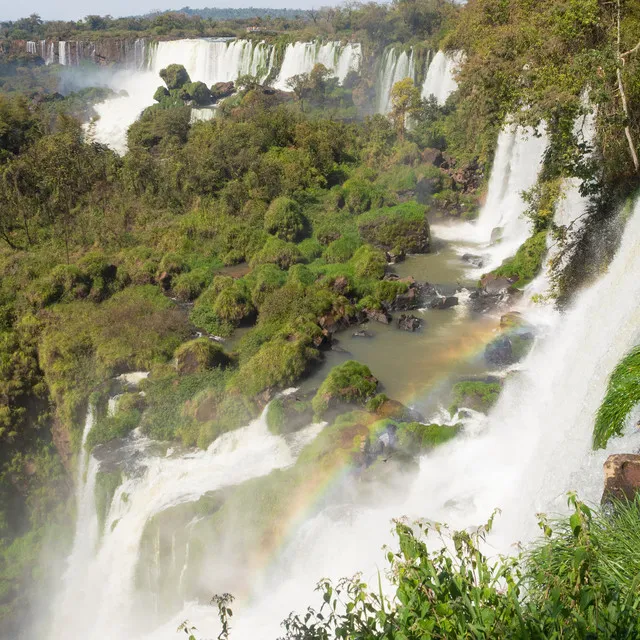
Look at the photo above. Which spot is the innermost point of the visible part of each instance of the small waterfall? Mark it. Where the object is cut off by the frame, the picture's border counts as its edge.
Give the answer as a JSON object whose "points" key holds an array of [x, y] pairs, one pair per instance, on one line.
{"points": [[440, 81], [395, 66], [301, 57], [63, 49], [86, 531], [51, 53], [501, 227], [139, 53], [32, 47], [98, 603], [202, 115]]}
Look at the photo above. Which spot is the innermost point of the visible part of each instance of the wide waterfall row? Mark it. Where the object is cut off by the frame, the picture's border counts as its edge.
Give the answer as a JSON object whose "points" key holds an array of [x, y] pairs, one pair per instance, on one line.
{"points": [[131, 54]]}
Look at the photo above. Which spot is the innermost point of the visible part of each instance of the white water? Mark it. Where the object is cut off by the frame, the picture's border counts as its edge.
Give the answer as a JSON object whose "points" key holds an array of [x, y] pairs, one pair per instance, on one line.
{"points": [[63, 49], [395, 66], [440, 81], [517, 163], [32, 47], [97, 605], [301, 57]]}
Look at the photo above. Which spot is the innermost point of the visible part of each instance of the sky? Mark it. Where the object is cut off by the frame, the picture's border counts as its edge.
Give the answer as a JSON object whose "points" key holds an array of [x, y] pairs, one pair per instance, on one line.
{"points": [[76, 9]]}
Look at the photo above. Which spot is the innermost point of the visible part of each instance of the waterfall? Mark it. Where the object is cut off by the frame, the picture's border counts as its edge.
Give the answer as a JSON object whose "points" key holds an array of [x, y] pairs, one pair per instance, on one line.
{"points": [[63, 52], [51, 54], [86, 530], [99, 603], [501, 227], [32, 47], [440, 82], [301, 57], [139, 53], [212, 61], [395, 66]]}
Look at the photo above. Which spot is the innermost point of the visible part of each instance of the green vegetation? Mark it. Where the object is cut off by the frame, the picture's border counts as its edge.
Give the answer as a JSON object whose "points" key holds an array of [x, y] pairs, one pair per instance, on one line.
{"points": [[474, 394], [401, 228], [623, 395], [575, 583], [107, 484], [196, 356], [350, 382], [526, 264], [126, 418], [416, 437]]}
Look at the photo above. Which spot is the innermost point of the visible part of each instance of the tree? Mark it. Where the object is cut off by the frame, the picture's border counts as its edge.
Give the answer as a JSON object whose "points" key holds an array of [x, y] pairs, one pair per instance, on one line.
{"points": [[405, 102]]}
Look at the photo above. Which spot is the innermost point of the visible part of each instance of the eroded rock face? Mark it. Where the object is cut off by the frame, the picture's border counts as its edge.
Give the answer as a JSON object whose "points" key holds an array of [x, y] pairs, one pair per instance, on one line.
{"points": [[621, 477]]}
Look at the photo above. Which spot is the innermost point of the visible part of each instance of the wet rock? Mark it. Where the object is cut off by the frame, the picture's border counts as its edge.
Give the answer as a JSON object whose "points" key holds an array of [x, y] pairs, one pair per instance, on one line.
{"points": [[496, 285], [406, 301], [473, 260], [513, 320], [378, 315], [509, 349], [394, 257], [394, 410], [409, 322], [496, 235], [621, 477], [362, 333]]}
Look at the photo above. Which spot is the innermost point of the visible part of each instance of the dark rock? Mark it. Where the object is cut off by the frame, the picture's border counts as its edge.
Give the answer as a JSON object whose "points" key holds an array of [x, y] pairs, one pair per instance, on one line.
{"points": [[509, 349], [621, 477], [496, 285], [474, 261], [406, 301], [394, 257], [379, 315], [409, 322], [164, 280], [222, 90]]}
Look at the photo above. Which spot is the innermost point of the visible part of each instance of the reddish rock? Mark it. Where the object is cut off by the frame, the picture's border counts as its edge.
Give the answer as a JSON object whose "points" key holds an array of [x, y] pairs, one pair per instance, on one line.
{"points": [[379, 315], [621, 476]]}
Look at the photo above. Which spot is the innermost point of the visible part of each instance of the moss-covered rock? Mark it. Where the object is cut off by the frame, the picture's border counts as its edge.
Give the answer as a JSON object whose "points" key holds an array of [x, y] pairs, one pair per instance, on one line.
{"points": [[526, 264], [277, 251], [479, 395], [160, 94], [400, 228], [175, 76], [289, 413], [350, 382], [368, 262], [199, 355], [106, 485], [125, 419], [416, 437], [198, 92]]}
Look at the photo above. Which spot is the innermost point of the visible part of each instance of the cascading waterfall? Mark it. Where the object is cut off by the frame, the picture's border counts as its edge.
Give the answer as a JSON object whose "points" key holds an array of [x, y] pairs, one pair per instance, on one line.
{"points": [[32, 47], [99, 604], [395, 66], [501, 227], [440, 81], [301, 57]]}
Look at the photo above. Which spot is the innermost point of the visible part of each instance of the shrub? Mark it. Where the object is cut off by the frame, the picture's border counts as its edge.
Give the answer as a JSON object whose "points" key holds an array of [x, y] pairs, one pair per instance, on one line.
{"points": [[342, 249], [623, 394], [188, 286], [403, 227], [276, 251], [284, 220], [264, 279], [196, 356], [125, 419], [359, 195], [347, 382], [300, 274], [369, 262], [310, 249]]}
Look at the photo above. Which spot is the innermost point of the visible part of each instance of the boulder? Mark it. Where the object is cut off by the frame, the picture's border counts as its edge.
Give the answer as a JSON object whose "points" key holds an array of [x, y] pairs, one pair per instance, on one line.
{"points": [[509, 349], [406, 301], [409, 322], [175, 76], [621, 477], [473, 260], [362, 333], [395, 256], [222, 90], [496, 285], [379, 315]]}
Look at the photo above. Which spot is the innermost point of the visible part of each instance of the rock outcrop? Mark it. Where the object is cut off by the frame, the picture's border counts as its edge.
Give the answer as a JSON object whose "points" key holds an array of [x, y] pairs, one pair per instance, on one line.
{"points": [[621, 477]]}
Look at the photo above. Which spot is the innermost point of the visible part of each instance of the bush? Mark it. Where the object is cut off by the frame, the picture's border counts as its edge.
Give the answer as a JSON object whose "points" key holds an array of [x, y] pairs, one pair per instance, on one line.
{"points": [[342, 249], [276, 251], [348, 382], [369, 262], [284, 220], [264, 279], [310, 249], [300, 274], [360, 195], [400, 228], [623, 395], [196, 356], [196, 91], [188, 286], [125, 419]]}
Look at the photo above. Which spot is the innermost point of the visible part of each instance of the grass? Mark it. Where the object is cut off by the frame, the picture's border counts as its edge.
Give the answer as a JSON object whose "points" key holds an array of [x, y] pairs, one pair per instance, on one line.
{"points": [[623, 394], [527, 262]]}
